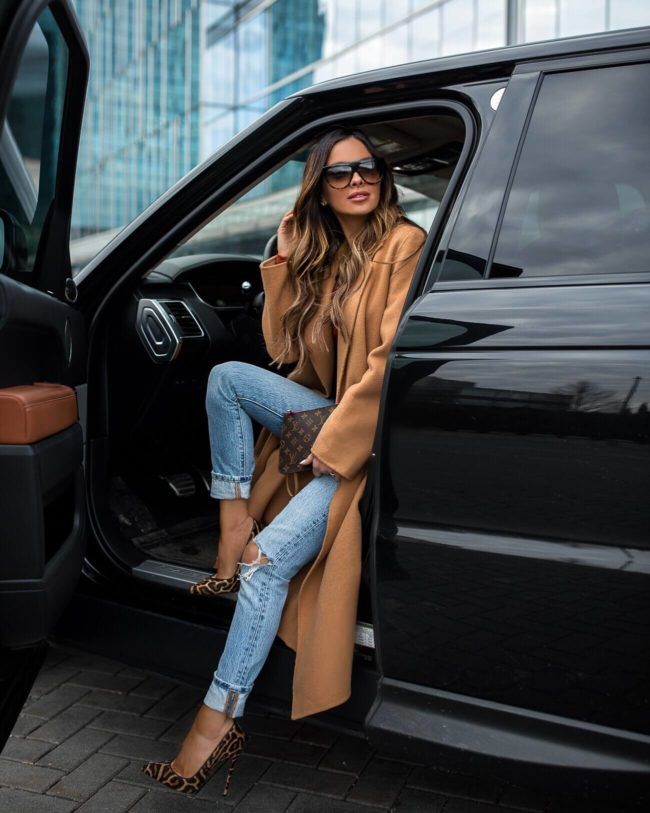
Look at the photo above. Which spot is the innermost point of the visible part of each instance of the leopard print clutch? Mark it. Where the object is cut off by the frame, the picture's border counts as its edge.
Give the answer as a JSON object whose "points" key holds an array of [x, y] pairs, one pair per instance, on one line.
{"points": [[299, 431]]}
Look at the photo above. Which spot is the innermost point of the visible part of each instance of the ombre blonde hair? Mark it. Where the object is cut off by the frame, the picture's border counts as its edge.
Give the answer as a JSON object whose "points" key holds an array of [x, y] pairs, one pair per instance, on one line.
{"points": [[316, 238]]}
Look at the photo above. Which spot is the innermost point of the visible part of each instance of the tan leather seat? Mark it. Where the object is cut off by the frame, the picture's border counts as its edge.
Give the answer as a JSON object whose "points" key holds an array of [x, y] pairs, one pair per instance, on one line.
{"points": [[31, 412]]}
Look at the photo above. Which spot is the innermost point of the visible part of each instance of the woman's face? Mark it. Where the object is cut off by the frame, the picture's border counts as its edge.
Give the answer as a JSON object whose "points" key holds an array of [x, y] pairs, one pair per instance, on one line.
{"points": [[359, 198]]}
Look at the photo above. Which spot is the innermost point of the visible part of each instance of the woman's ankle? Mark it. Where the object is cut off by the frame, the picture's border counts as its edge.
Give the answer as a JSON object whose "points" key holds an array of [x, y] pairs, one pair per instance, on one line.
{"points": [[233, 511], [234, 523], [232, 543], [208, 729]]}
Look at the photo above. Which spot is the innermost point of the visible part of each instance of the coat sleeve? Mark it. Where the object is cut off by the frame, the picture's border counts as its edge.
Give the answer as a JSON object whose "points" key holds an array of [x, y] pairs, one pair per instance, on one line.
{"points": [[279, 294], [345, 440]]}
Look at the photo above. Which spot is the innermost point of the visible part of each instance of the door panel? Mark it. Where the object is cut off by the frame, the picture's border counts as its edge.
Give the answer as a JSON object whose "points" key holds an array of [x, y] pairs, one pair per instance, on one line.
{"points": [[42, 337], [513, 553]]}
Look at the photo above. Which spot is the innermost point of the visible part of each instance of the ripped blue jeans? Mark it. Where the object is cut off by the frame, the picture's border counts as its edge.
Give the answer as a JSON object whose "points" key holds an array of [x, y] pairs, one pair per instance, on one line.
{"points": [[237, 394]]}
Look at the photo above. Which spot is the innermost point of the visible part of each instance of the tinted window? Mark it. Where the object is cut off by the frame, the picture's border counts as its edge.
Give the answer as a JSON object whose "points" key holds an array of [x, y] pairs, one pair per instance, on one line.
{"points": [[580, 201], [29, 140], [423, 151]]}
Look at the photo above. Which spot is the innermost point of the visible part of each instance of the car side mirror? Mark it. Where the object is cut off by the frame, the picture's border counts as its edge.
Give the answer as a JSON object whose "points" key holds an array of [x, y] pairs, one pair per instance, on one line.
{"points": [[13, 245]]}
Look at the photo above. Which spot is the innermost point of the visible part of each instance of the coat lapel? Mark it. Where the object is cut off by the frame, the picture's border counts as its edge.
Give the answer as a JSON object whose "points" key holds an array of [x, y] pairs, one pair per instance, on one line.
{"points": [[352, 308], [323, 359]]}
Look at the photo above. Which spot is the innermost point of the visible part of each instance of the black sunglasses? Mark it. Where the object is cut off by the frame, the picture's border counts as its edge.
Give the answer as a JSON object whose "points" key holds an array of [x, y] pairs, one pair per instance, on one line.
{"points": [[340, 175]]}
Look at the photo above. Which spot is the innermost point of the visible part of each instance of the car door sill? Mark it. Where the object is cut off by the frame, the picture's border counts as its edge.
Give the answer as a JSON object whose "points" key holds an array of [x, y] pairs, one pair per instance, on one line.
{"points": [[179, 576]]}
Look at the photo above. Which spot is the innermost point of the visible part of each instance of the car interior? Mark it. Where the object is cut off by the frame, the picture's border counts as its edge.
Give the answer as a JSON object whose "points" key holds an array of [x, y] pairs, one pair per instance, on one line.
{"points": [[201, 306]]}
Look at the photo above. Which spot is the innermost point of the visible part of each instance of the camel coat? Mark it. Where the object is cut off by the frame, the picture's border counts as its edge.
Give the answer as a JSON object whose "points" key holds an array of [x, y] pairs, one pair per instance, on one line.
{"points": [[319, 617]]}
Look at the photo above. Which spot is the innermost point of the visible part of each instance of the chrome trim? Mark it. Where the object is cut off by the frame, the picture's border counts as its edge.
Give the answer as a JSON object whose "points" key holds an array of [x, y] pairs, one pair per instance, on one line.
{"points": [[153, 570], [198, 295], [190, 312], [181, 577], [153, 308]]}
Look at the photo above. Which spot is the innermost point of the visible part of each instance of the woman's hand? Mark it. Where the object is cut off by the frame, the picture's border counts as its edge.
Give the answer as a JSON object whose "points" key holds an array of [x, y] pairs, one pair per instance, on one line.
{"points": [[285, 234], [318, 467]]}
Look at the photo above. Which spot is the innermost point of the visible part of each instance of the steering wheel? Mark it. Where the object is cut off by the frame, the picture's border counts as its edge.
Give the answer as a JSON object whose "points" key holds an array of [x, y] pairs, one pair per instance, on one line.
{"points": [[271, 247]]}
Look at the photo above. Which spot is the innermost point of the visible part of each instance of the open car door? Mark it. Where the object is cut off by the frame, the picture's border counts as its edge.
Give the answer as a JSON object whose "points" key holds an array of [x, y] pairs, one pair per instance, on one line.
{"points": [[42, 337]]}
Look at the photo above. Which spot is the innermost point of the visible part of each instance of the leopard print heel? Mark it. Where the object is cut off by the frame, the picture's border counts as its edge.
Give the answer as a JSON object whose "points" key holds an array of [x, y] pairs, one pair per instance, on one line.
{"points": [[229, 748], [212, 586]]}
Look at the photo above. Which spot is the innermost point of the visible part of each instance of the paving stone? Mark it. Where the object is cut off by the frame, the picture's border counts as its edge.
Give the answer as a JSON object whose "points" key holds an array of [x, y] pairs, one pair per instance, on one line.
{"points": [[131, 671], [25, 724], [55, 701], [20, 801], [95, 663], [103, 731], [266, 799], [24, 750], [27, 777], [173, 802], [289, 750], [247, 772], [298, 777], [304, 803], [454, 784], [88, 778], [132, 773], [472, 806], [349, 754], [380, 782], [49, 679], [75, 749], [179, 729], [114, 798], [154, 687], [316, 735], [65, 724], [139, 748], [101, 680], [173, 705], [121, 723], [110, 701], [419, 801]]}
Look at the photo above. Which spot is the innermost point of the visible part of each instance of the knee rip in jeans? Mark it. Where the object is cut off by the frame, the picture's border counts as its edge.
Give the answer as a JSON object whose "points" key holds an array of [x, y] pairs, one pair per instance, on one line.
{"points": [[253, 559]]}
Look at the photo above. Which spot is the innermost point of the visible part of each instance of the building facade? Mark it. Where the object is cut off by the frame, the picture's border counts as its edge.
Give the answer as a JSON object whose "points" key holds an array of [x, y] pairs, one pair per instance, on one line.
{"points": [[173, 80]]}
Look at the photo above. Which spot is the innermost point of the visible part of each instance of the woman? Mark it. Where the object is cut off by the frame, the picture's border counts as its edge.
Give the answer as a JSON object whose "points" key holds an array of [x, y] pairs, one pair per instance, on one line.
{"points": [[334, 293]]}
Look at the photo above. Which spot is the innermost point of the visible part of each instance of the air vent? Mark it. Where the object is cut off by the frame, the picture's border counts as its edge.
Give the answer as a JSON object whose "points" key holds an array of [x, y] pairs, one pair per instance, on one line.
{"points": [[188, 325]]}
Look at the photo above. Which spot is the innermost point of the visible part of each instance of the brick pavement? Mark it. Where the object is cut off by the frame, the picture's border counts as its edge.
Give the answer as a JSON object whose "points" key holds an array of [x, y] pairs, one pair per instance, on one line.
{"points": [[90, 723]]}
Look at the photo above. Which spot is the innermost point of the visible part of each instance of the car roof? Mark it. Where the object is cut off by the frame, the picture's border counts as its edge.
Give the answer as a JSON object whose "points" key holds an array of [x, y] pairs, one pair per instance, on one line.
{"points": [[483, 65]]}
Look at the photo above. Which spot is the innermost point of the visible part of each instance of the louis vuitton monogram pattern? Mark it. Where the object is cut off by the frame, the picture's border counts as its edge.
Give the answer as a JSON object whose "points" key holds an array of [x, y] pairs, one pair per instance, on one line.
{"points": [[299, 431], [229, 748]]}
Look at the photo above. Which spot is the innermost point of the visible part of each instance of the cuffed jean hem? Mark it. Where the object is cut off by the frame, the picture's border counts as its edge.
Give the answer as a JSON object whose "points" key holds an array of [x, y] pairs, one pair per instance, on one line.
{"points": [[227, 487], [229, 699]]}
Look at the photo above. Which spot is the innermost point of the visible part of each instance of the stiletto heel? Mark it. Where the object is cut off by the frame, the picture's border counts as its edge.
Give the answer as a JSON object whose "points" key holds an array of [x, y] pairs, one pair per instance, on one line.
{"points": [[212, 586], [231, 768], [230, 748]]}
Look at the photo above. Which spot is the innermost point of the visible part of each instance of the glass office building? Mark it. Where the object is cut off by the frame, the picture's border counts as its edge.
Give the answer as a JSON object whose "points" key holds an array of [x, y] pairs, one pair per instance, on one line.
{"points": [[173, 80]]}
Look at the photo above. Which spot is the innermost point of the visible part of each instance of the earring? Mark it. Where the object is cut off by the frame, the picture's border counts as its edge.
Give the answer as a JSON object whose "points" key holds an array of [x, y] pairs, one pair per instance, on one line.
{"points": [[323, 202]]}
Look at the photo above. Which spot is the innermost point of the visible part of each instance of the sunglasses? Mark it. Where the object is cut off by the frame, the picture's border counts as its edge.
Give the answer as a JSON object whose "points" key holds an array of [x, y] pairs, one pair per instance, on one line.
{"points": [[340, 175]]}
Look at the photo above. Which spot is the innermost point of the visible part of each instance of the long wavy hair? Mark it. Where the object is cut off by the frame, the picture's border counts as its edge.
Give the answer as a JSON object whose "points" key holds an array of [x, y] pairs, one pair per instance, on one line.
{"points": [[317, 236]]}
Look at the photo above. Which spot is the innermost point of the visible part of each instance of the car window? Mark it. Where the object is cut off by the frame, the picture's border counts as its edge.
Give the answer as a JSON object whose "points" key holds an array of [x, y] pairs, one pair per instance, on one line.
{"points": [[580, 199], [29, 143], [423, 152]]}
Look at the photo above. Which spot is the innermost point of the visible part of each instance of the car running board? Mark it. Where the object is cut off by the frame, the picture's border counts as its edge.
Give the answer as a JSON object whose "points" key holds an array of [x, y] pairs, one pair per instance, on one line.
{"points": [[181, 577]]}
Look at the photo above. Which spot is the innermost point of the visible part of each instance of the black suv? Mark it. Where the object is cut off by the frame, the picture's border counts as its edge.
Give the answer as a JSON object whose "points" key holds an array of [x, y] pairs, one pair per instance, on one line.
{"points": [[503, 620]]}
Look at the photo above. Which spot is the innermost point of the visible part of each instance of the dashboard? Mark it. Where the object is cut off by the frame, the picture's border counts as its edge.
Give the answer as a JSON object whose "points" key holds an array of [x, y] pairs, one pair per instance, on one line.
{"points": [[194, 304]]}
